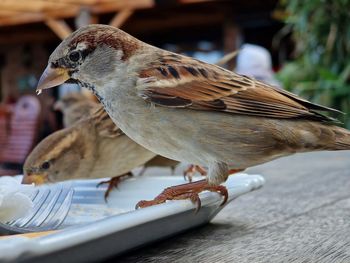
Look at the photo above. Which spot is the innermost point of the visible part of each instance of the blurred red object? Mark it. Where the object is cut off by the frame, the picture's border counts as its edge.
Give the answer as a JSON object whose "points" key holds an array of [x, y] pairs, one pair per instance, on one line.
{"points": [[20, 136], [5, 116]]}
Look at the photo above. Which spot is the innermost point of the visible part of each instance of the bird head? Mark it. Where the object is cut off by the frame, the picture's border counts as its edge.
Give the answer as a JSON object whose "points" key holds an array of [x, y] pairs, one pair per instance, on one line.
{"points": [[88, 56], [61, 156]]}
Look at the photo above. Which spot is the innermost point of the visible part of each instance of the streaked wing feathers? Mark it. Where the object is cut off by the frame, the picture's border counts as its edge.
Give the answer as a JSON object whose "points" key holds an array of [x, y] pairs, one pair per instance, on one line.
{"points": [[178, 81]]}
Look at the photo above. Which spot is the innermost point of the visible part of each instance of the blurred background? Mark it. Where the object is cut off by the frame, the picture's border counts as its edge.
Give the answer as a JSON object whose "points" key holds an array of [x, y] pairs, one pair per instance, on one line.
{"points": [[302, 46]]}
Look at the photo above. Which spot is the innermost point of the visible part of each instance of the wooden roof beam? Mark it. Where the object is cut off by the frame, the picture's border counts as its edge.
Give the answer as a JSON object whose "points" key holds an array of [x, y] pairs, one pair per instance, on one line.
{"points": [[19, 18], [59, 27], [34, 5], [76, 2], [113, 6], [23, 18], [83, 2], [31, 11], [121, 17], [10, 13]]}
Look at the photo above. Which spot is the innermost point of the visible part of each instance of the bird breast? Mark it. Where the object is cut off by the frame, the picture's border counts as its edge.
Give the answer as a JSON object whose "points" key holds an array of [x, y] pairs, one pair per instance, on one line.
{"points": [[117, 156]]}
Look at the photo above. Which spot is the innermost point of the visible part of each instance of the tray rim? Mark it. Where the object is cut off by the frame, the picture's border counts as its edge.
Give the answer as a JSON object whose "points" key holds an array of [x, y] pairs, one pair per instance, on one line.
{"points": [[29, 248]]}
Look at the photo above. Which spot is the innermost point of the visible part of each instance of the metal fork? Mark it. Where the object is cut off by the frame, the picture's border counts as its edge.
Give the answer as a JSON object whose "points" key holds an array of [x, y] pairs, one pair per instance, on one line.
{"points": [[51, 206]]}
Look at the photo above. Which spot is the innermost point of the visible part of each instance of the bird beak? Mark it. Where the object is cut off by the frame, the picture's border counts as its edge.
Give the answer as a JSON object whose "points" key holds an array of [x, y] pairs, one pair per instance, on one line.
{"points": [[52, 77], [34, 179]]}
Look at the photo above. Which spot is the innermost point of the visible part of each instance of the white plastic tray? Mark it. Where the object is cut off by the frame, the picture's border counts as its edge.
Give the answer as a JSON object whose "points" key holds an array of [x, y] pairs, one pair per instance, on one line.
{"points": [[94, 230]]}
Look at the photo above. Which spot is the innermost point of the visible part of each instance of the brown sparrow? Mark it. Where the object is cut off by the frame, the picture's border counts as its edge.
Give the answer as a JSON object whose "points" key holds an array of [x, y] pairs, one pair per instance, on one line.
{"points": [[92, 148], [74, 107], [188, 110]]}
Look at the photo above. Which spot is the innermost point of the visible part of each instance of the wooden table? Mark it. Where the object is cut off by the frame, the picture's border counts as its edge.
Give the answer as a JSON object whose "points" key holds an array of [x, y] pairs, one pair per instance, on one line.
{"points": [[302, 214]]}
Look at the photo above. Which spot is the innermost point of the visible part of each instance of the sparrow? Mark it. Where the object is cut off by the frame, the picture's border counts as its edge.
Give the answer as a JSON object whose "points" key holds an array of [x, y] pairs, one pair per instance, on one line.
{"points": [[189, 110], [74, 107], [94, 147]]}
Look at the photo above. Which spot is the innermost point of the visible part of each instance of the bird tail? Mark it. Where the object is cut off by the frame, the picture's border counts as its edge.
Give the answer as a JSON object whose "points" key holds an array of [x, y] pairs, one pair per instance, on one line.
{"points": [[341, 140]]}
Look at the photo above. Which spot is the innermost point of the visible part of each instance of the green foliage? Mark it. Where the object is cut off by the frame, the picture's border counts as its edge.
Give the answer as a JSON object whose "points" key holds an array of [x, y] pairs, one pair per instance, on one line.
{"points": [[321, 70]]}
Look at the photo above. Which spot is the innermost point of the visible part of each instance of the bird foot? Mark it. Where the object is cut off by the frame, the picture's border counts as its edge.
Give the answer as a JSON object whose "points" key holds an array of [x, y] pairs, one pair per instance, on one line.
{"points": [[113, 183], [185, 191], [192, 170]]}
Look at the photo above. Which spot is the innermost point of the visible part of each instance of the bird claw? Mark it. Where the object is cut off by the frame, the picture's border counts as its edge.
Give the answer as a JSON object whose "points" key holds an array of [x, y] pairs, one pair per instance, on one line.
{"points": [[185, 191], [191, 170], [145, 203], [112, 183], [223, 191], [194, 197]]}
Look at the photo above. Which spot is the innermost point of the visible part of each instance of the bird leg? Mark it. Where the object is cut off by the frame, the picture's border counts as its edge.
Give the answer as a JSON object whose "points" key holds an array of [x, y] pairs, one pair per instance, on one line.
{"points": [[113, 183], [185, 191], [191, 170]]}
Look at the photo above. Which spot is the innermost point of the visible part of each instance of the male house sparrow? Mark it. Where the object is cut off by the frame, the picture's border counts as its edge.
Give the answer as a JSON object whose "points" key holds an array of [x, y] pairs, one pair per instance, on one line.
{"points": [[188, 110], [92, 148]]}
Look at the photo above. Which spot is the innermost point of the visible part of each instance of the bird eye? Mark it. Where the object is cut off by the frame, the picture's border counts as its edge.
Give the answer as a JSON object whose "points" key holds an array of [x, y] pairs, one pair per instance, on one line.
{"points": [[45, 165], [74, 56]]}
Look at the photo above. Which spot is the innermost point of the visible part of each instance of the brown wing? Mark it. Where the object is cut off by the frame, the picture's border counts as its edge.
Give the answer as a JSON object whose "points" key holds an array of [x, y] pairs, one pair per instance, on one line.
{"points": [[104, 124], [178, 81]]}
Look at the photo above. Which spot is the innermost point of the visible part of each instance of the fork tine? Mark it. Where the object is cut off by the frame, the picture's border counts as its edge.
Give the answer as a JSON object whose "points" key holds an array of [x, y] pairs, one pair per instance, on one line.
{"points": [[45, 209], [31, 196], [51, 207], [41, 197], [61, 210]]}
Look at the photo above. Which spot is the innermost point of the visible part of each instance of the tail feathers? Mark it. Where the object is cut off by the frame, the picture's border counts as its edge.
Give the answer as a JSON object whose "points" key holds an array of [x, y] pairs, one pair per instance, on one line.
{"points": [[342, 146], [342, 139]]}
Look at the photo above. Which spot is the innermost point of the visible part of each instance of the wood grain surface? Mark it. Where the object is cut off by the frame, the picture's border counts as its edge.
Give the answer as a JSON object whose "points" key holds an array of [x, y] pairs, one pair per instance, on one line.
{"points": [[302, 214]]}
